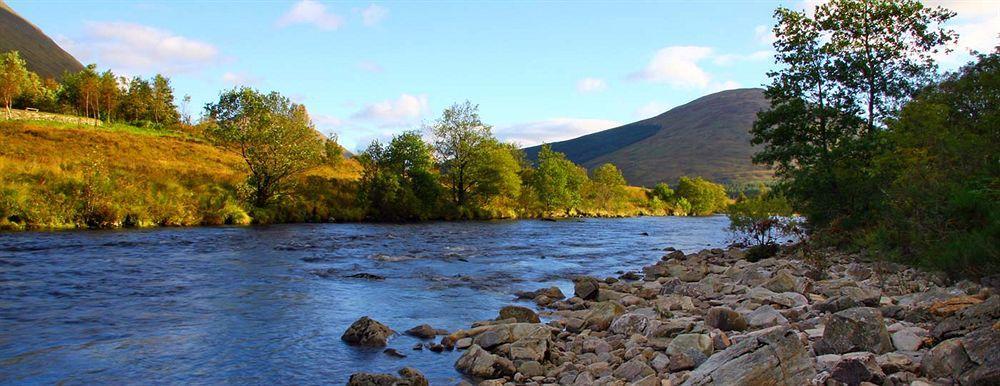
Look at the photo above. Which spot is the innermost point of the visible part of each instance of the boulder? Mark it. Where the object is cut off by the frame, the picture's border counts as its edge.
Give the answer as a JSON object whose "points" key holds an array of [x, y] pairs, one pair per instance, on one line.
{"points": [[774, 356], [630, 323], [408, 376], [951, 306], [478, 362], [907, 340], [531, 345], [531, 369], [969, 319], [633, 370], [422, 331], [725, 319], [520, 314], [551, 293], [855, 329], [367, 332], [856, 368], [691, 342], [782, 281], [602, 314], [983, 348], [586, 287], [765, 316], [946, 360]]}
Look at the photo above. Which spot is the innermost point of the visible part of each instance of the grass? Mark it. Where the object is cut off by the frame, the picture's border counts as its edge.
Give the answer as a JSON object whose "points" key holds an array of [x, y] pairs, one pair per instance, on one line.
{"points": [[61, 175]]}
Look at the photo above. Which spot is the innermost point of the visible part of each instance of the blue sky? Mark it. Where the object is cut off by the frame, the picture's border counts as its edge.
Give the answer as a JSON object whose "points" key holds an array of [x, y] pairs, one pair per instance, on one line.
{"points": [[540, 71]]}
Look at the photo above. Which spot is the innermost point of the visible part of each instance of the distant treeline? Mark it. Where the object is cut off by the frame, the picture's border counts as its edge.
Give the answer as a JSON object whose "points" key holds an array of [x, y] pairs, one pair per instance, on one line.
{"points": [[465, 172], [89, 93]]}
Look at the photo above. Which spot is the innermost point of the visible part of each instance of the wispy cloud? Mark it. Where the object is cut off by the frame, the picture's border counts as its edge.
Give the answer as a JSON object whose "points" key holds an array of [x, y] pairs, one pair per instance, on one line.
{"points": [[591, 85], [552, 130], [311, 12], [373, 14], [677, 66], [140, 49], [651, 109]]}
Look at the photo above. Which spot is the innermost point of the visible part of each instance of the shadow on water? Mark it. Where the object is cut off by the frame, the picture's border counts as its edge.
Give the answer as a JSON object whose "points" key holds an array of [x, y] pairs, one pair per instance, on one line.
{"points": [[268, 304]]}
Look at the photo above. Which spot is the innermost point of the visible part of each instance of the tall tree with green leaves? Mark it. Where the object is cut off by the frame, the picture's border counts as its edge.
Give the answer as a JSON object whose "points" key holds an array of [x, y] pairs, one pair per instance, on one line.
{"points": [[558, 181], [14, 79], [843, 71], [274, 136], [461, 142], [607, 187], [705, 197], [162, 102]]}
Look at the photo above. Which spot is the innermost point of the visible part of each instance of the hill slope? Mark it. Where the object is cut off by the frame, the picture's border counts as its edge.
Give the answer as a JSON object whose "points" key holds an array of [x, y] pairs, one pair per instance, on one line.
{"points": [[43, 55], [707, 137]]}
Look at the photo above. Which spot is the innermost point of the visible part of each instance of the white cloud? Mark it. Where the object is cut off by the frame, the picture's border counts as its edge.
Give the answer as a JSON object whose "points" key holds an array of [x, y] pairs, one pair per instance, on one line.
{"points": [[370, 66], [677, 66], [589, 85], [651, 109], [404, 110], [764, 35], [552, 130], [240, 79], [373, 14], [311, 12], [140, 49]]}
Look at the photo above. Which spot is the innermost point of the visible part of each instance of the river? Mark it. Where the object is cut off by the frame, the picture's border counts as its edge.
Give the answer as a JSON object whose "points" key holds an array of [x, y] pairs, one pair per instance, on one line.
{"points": [[267, 305]]}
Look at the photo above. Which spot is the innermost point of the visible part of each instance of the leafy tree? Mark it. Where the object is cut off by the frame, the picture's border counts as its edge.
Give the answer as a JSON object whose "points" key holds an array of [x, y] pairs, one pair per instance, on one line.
{"points": [[942, 177], [843, 72], [704, 196], [607, 187], [137, 99], [557, 180], [461, 141], [162, 105], [396, 179], [14, 79], [274, 136], [498, 174], [109, 93], [663, 192]]}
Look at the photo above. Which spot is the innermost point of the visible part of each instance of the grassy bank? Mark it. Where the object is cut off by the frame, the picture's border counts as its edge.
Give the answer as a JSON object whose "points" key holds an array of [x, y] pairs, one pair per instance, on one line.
{"points": [[62, 175]]}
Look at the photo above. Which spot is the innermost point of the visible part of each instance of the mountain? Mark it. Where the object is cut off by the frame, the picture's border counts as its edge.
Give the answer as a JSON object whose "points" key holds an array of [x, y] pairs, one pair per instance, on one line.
{"points": [[708, 137], [43, 55]]}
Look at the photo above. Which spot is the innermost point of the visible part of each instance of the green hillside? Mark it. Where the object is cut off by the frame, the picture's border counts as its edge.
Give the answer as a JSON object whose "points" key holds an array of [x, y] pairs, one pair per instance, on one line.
{"points": [[43, 55], [707, 137]]}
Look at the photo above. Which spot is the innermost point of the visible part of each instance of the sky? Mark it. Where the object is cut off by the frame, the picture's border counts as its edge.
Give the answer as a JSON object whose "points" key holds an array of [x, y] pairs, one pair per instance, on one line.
{"points": [[540, 71]]}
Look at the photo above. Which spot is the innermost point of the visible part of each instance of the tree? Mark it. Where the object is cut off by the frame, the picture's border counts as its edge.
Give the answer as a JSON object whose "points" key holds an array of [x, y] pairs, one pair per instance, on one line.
{"points": [[461, 142], [396, 179], [274, 136], [607, 187], [558, 181], [843, 72], [162, 105], [110, 93], [497, 174], [14, 79], [704, 196]]}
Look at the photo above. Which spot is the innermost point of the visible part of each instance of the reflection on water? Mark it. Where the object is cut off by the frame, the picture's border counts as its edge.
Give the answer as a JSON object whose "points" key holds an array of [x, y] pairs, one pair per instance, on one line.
{"points": [[268, 304]]}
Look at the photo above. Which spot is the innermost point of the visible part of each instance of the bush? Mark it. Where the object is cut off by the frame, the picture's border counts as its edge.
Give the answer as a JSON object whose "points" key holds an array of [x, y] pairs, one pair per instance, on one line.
{"points": [[762, 220], [760, 252]]}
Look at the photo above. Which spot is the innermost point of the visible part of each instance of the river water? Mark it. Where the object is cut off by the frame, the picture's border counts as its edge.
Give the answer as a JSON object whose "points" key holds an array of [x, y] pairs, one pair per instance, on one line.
{"points": [[267, 305]]}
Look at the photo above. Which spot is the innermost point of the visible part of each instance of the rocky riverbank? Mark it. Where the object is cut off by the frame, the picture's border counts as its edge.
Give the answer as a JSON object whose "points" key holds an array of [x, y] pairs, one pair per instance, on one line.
{"points": [[714, 318]]}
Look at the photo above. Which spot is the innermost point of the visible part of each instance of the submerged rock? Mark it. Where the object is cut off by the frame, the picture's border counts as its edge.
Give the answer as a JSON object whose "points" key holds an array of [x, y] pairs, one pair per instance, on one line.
{"points": [[408, 376]]}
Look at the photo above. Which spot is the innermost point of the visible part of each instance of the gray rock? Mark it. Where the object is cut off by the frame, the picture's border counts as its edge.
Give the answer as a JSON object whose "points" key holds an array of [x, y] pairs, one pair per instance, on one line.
{"points": [[630, 323], [856, 368], [855, 329], [983, 348], [765, 316], [489, 339], [520, 314], [691, 342], [774, 356], [969, 319], [633, 370], [907, 340], [782, 281], [725, 319], [367, 332], [478, 362], [531, 369]]}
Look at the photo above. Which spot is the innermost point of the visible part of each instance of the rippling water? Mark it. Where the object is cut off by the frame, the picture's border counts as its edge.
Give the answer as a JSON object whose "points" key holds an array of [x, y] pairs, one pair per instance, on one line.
{"points": [[268, 304]]}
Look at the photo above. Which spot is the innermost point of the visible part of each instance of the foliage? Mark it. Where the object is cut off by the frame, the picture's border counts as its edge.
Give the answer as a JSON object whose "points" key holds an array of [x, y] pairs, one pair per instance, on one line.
{"points": [[557, 181], [273, 135], [705, 197], [761, 220], [843, 72], [461, 141], [606, 190], [942, 201], [397, 183], [14, 79]]}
